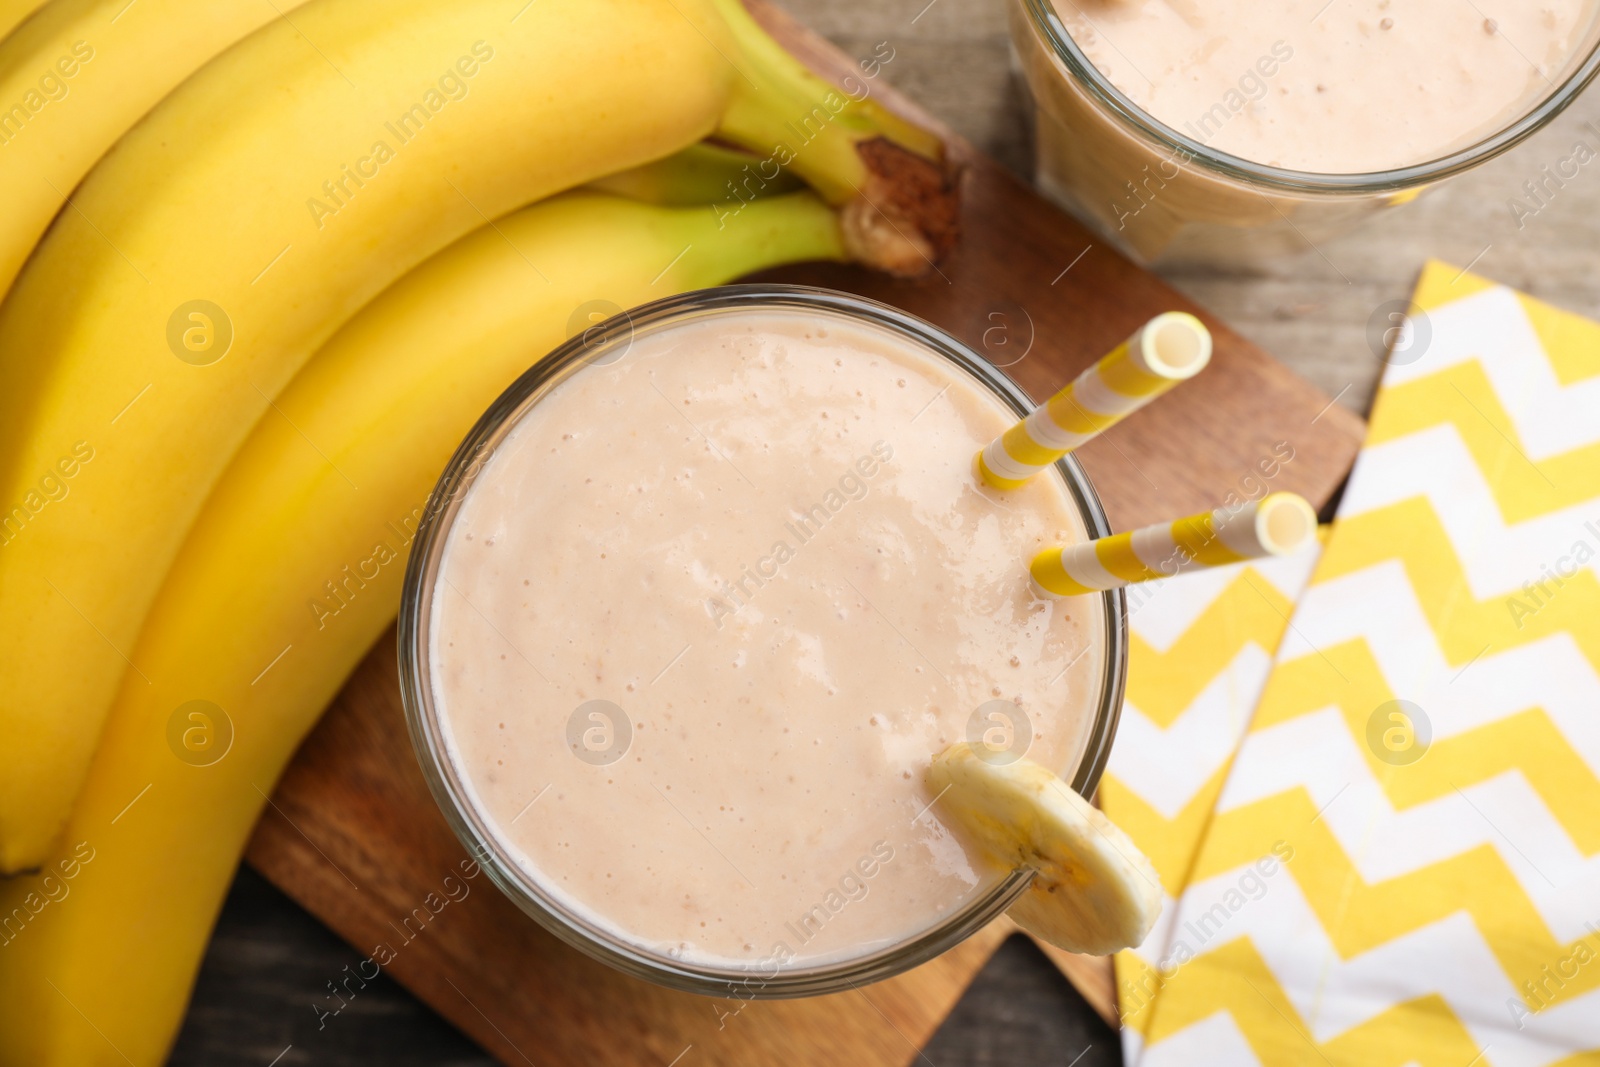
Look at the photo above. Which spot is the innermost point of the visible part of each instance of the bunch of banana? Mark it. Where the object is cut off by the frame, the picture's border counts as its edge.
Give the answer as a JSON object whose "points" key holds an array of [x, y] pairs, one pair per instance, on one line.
{"points": [[248, 216], [328, 485]]}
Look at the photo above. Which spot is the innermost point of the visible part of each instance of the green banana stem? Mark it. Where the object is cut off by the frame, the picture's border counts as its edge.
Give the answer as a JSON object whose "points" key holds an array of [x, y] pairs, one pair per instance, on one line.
{"points": [[889, 177], [702, 174], [792, 228]]}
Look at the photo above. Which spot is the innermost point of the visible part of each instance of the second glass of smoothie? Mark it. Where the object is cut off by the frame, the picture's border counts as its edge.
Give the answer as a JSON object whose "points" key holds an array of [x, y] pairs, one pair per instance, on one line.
{"points": [[696, 604], [1232, 131]]}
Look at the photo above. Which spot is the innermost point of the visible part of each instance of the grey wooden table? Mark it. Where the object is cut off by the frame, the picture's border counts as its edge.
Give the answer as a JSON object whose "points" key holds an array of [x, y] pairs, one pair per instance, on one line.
{"points": [[268, 959]]}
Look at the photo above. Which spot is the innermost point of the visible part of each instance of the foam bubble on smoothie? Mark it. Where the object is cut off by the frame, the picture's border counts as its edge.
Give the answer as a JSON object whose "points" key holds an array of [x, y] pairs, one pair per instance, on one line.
{"points": [[708, 612]]}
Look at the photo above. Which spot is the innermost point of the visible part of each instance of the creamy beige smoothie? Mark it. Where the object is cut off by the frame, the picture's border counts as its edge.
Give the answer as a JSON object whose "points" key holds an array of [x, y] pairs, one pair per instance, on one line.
{"points": [[708, 611], [1330, 88], [1365, 85]]}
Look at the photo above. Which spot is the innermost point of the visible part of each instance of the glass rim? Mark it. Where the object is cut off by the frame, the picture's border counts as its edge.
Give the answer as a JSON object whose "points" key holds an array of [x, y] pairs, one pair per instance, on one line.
{"points": [[474, 828], [1053, 32]]}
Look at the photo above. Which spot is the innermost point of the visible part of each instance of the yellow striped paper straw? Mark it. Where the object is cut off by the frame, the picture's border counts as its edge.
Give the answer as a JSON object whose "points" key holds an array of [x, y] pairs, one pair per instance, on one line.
{"points": [[1168, 349], [1276, 525]]}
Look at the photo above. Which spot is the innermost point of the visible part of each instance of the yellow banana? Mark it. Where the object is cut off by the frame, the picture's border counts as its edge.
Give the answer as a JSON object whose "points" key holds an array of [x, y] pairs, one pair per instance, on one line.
{"points": [[77, 75], [292, 570], [707, 175], [14, 12], [228, 234]]}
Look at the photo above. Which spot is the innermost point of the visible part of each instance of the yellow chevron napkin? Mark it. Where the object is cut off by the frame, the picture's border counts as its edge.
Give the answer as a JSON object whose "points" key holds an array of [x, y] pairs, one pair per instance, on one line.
{"points": [[1200, 647], [1403, 866]]}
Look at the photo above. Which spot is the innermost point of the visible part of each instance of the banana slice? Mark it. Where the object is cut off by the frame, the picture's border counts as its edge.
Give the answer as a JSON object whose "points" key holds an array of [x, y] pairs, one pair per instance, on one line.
{"points": [[1092, 890]]}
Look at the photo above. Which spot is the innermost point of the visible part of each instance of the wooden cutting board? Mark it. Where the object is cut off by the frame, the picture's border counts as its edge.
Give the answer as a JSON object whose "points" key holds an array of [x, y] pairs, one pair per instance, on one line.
{"points": [[354, 835]]}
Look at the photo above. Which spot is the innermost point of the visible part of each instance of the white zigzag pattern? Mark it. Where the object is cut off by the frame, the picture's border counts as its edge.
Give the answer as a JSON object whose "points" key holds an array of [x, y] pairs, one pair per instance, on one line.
{"points": [[1383, 843], [1318, 753], [1215, 1041], [1492, 328], [1132, 1047], [1448, 958], [1153, 947], [1165, 768], [1163, 610], [1497, 559], [1379, 606]]}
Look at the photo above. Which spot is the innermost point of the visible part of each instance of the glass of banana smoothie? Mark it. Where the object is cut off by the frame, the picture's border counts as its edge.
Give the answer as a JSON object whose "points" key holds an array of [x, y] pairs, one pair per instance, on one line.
{"points": [[1232, 130], [694, 606]]}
